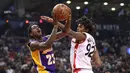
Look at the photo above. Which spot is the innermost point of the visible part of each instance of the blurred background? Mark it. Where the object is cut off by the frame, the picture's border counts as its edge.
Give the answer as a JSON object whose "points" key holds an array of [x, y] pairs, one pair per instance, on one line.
{"points": [[112, 18]]}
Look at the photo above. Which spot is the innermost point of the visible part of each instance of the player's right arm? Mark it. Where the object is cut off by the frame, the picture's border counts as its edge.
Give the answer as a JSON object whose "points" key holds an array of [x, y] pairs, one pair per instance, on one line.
{"points": [[70, 32], [77, 35], [44, 45]]}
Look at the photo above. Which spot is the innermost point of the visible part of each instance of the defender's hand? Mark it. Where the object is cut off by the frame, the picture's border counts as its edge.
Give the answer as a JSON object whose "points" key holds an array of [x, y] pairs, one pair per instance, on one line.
{"points": [[46, 18], [55, 20], [68, 20], [67, 27]]}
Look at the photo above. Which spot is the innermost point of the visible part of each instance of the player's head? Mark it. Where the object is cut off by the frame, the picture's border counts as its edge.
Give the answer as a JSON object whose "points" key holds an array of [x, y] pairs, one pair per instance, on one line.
{"points": [[85, 25], [34, 31]]}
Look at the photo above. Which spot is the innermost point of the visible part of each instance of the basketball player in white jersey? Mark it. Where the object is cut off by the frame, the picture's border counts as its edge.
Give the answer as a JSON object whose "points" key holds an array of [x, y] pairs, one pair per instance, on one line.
{"points": [[83, 46]]}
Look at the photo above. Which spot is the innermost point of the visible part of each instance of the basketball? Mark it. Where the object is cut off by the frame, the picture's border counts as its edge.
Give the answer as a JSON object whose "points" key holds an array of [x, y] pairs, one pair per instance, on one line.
{"points": [[61, 11]]}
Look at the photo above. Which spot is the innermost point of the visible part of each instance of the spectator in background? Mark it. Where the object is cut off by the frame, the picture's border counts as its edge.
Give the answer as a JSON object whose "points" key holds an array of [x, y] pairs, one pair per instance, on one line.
{"points": [[10, 70]]}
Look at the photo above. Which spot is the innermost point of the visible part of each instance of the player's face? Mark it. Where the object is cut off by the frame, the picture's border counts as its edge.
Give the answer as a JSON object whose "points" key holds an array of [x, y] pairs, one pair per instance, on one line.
{"points": [[80, 28], [36, 31]]}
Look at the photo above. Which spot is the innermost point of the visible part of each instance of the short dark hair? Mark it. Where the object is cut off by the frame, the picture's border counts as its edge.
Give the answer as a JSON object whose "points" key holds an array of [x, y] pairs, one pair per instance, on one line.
{"points": [[88, 24]]}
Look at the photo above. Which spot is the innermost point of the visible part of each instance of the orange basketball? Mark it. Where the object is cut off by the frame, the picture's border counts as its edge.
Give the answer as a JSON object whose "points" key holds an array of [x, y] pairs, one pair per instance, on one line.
{"points": [[61, 11]]}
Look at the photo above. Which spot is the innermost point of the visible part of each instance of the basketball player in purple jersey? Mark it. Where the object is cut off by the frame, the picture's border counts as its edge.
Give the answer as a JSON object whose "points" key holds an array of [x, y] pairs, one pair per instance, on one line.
{"points": [[40, 49]]}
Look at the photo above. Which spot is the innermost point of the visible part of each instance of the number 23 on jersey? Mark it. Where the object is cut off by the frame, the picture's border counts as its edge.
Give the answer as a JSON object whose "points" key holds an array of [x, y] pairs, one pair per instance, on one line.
{"points": [[51, 59]]}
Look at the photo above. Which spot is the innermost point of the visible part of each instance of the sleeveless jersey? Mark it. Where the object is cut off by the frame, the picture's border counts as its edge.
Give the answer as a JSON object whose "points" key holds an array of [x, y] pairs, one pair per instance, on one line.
{"points": [[44, 60], [81, 53]]}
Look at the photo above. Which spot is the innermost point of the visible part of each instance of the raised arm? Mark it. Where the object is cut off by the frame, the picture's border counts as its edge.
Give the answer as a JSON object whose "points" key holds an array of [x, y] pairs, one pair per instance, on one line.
{"points": [[44, 45], [65, 29], [59, 35], [77, 35]]}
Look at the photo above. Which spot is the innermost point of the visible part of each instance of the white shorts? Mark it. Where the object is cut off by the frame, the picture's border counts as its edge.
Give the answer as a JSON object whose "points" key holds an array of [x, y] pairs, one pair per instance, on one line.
{"points": [[83, 71]]}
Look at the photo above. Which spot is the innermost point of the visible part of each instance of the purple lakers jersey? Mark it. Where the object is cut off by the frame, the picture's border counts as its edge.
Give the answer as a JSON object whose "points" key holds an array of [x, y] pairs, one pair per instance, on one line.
{"points": [[44, 60]]}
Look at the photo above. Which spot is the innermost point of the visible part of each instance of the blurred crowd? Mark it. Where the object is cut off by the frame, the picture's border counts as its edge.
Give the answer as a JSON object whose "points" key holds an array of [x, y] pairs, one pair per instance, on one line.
{"points": [[15, 56]]}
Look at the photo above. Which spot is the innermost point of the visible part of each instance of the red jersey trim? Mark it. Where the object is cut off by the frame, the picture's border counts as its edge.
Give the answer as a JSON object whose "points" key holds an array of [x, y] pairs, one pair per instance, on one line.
{"points": [[77, 70], [76, 47]]}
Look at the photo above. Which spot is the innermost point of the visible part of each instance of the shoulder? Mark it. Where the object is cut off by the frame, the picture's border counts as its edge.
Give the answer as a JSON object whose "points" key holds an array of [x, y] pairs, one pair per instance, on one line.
{"points": [[29, 42], [89, 37], [32, 43], [73, 40]]}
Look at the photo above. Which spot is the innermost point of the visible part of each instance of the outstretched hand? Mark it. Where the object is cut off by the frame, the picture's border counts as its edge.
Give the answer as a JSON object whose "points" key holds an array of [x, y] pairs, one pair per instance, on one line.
{"points": [[67, 27], [68, 20], [55, 20], [51, 20], [46, 18]]}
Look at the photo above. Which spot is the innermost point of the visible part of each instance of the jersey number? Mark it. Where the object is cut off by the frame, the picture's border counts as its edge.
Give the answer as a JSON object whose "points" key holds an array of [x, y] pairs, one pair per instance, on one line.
{"points": [[51, 59], [88, 49]]}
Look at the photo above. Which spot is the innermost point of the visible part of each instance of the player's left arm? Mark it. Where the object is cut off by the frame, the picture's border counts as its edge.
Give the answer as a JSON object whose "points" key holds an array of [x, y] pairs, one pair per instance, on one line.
{"points": [[96, 58]]}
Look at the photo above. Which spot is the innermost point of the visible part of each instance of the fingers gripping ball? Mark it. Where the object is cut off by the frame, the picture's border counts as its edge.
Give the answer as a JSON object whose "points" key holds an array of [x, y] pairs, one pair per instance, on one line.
{"points": [[61, 12]]}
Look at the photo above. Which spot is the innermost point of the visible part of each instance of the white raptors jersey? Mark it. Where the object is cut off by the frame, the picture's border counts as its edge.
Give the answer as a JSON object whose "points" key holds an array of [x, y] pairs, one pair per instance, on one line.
{"points": [[80, 54]]}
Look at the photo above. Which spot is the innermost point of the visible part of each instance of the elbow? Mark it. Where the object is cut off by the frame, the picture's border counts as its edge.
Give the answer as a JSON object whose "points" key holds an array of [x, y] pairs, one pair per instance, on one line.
{"points": [[48, 44]]}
